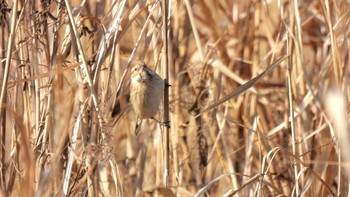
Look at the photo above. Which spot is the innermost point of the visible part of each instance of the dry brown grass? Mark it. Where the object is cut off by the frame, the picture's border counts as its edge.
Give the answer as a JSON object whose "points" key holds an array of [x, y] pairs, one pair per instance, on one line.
{"points": [[237, 126]]}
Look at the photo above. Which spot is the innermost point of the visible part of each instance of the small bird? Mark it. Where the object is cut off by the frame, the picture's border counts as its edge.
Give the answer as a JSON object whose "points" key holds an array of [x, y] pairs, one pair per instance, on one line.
{"points": [[146, 92]]}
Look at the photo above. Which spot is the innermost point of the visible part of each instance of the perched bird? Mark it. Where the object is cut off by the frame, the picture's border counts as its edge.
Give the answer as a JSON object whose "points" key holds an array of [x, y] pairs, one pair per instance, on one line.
{"points": [[146, 92]]}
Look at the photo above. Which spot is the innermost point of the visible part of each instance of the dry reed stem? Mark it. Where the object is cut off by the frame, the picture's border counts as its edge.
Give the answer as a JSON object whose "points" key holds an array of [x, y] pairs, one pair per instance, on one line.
{"points": [[238, 126]]}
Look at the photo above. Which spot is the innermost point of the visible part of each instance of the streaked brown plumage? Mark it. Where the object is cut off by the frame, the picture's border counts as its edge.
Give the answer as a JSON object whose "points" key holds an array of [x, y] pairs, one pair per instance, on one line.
{"points": [[146, 92]]}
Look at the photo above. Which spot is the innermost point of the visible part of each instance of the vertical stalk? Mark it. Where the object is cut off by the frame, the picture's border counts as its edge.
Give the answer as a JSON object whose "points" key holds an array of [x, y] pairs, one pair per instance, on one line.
{"points": [[166, 91], [3, 90], [8, 55], [3, 121], [291, 111]]}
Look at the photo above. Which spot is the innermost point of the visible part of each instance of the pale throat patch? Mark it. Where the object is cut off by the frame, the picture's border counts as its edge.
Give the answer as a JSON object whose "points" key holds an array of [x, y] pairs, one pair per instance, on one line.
{"points": [[136, 78]]}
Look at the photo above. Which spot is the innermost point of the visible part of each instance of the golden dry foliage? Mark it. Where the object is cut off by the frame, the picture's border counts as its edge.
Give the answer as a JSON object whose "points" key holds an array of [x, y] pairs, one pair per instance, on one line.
{"points": [[257, 103]]}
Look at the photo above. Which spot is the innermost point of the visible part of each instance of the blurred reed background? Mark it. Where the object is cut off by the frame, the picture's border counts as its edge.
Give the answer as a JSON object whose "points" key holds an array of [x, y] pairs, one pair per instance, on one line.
{"points": [[67, 126]]}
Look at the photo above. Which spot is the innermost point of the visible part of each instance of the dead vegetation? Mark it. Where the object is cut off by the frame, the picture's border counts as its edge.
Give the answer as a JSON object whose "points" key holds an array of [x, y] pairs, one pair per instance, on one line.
{"points": [[258, 102]]}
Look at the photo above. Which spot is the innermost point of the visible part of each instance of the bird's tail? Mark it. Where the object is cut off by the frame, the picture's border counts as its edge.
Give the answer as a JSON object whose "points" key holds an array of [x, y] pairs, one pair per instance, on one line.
{"points": [[138, 126]]}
